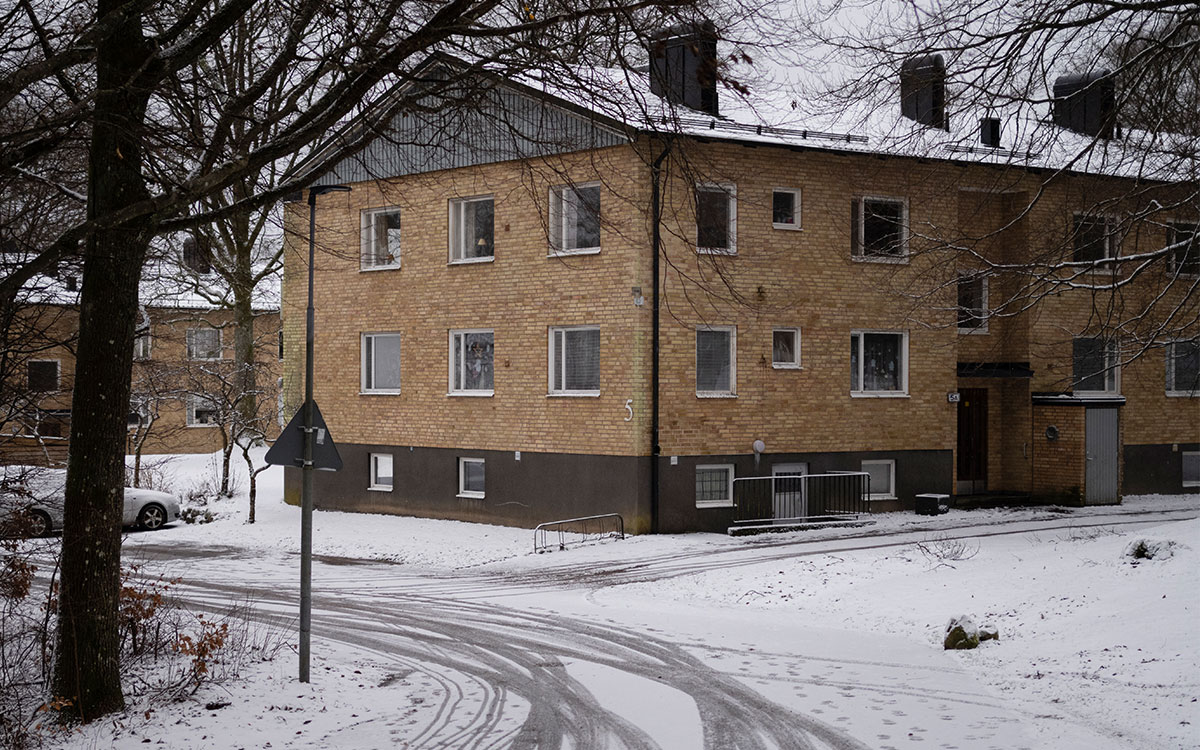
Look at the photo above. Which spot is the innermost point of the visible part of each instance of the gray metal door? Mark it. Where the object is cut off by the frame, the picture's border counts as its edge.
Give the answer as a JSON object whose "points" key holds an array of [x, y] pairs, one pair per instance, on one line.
{"points": [[1103, 448]]}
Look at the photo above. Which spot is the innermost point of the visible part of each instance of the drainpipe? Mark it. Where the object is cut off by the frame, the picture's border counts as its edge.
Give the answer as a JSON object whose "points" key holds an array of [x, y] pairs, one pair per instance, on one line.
{"points": [[656, 232]]}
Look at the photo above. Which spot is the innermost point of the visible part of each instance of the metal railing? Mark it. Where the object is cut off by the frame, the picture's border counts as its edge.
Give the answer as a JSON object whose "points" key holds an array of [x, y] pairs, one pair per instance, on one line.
{"points": [[798, 498], [578, 530]]}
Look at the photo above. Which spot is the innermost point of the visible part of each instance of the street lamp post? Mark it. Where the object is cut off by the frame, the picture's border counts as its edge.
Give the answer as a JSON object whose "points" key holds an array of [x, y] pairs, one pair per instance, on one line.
{"points": [[306, 493]]}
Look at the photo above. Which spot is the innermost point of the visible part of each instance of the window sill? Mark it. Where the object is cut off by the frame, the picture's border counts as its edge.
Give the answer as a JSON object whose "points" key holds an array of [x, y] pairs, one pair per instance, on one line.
{"points": [[787, 227], [1183, 394], [895, 260], [581, 251], [1096, 394], [470, 261], [879, 394], [206, 359], [716, 251], [379, 393], [470, 495], [874, 498], [573, 394], [786, 366], [370, 269], [714, 394], [472, 394], [714, 504], [973, 331], [201, 426], [379, 489]]}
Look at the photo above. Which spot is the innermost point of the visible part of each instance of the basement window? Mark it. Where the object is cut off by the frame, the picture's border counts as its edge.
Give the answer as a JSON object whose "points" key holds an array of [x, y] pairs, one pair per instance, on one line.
{"points": [[471, 478], [381, 472], [714, 486]]}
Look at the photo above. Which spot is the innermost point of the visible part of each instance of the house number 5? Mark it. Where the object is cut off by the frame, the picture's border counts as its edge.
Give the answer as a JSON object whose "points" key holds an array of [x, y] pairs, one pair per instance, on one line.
{"points": [[629, 409]]}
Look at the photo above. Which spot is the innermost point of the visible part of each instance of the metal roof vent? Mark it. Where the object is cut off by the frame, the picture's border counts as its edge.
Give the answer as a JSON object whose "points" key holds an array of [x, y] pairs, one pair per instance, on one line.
{"points": [[683, 66], [923, 90], [989, 131], [1086, 103]]}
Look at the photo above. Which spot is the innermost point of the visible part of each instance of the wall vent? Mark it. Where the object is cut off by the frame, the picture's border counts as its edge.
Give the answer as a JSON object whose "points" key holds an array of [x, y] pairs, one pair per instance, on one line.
{"points": [[683, 66], [989, 131], [1086, 103], [923, 90]]}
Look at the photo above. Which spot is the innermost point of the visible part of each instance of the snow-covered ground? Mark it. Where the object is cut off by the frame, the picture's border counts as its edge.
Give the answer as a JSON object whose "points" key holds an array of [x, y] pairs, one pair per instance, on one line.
{"points": [[837, 632]]}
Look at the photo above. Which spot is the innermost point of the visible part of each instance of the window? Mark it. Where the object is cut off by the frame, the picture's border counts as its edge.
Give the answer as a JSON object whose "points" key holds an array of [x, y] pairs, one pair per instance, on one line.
{"points": [[785, 208], [575, 361], [1191, 468], [716, 361], [470, 477], [141, 345], [197, 254], [380, 238], [716, 219], [139, 412], [883, 478], [1094, 238], [785, 348], [1183, 368], [1184, 259], [575, 219], [471, 363], [42, 375], [381, 472], [1094, 366], [714, 486], [201, 411], [204, 343], [878, 363], [380, 363], [972, 304], [879, 228], [472, 237], [281, 344]]}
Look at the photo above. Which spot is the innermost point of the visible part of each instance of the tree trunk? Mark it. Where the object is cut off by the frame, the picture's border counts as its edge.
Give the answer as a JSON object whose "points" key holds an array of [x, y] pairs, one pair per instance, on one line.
{"points": [[86, 671], [253, 480], [226, 451]]}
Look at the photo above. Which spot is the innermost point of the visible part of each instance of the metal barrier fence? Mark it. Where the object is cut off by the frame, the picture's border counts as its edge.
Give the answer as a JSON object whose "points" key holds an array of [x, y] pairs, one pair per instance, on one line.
{"points": [[785, 498], [576, 530]]}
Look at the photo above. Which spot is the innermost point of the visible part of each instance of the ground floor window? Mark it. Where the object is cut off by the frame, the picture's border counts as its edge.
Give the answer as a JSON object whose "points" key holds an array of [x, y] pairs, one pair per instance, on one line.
{"points": [[470, 477], [1191, 468], [201, 411], [381, 472], [883, 478], [714, 486], [1183, 368]]}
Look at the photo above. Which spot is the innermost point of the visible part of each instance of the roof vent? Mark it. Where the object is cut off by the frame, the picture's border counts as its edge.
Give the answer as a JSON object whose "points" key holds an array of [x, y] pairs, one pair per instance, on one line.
{"points": [[683, 66], [923, 90], [1086, 103], [989, 131], [197, 254]]}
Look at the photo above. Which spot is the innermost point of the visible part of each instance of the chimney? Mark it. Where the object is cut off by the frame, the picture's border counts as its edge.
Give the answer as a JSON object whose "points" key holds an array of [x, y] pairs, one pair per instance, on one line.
{"points": [[923, 90], [683, 66], [989, 131], [1086, 103]]}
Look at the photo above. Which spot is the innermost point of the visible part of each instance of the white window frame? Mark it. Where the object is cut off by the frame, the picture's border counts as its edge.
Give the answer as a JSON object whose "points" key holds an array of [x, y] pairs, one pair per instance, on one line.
{"points": [[368, 251], [726, 503], [552, 348], [462, 490], [1172, 267], [903, 364], [1112, 369], [891, 464], [142, 345], [861, 230], [795, 363], [57, 375], [364, 364], [983, 302], [560, 218], [192, 399], [1182, 455], [729, 189], [732, 392], [191, 345], [795, 193], [480, 392], [1171, 390], [457, 232], [373, 469], [1112, 243]]}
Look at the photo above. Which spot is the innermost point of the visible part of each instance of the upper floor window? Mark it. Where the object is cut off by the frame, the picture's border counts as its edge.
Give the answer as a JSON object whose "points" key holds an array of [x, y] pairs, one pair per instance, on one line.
{"points": [[472, 230], [381, 238], [879, 228], [575, 361], [42, 375], [716, 219], [1095, 365], [141, 345], [972, 304], [785, 348], [1183, 368], [878, 363], [380, 363], [785, 208], [716, 361], [575, 219], [204, 343], [1184, 255], [472, 356], [1094, 238]]}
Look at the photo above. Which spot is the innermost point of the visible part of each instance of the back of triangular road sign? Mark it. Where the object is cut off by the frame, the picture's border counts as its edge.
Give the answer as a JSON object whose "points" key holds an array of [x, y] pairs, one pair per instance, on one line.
{"points": [[289, 448]]}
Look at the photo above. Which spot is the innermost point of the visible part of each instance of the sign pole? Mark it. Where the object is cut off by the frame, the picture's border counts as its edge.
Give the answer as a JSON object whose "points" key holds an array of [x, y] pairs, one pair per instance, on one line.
{"points": [[306, 491]]}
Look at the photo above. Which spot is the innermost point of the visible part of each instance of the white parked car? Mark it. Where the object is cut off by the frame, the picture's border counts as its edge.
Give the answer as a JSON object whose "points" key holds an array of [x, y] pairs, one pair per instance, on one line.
{"points": [[37, 506]]}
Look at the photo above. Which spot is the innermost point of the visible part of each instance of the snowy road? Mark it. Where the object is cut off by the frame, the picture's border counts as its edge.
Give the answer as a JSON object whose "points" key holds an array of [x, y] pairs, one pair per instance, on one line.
{"points": [[552, 653]]}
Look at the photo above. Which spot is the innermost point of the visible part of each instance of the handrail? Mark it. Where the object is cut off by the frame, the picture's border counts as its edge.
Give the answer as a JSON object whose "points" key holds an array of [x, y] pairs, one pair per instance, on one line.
{"points": [[541, 531]]}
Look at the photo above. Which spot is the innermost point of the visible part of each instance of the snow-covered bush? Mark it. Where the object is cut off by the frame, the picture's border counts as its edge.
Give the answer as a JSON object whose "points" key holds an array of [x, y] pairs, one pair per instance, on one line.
{"points": [[1149, 549]]}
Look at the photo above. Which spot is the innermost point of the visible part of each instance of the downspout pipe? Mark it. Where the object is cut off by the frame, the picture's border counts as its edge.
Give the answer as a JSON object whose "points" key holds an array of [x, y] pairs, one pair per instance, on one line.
{"points": [[655, 334]]}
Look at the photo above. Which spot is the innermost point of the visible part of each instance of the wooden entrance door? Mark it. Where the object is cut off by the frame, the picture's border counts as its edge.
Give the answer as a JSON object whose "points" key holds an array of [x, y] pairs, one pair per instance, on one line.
{"points": [[972, 440]]}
